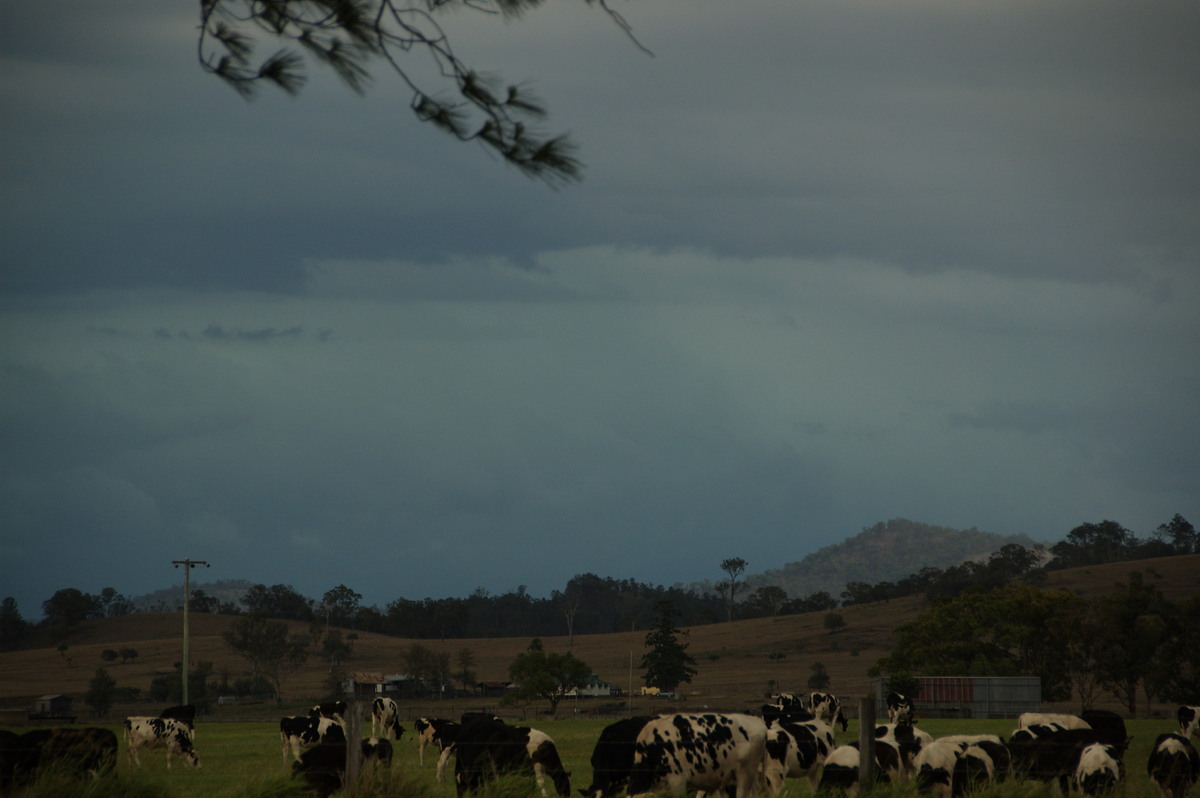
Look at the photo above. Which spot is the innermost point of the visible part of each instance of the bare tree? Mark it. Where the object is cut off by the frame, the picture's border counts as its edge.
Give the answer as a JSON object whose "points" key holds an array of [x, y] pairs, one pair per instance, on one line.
{"points": [[734, 567]]}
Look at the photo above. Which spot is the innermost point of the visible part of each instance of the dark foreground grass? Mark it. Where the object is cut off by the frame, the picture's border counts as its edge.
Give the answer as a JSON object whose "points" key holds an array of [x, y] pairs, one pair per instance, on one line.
{"points": [[245, 760]]}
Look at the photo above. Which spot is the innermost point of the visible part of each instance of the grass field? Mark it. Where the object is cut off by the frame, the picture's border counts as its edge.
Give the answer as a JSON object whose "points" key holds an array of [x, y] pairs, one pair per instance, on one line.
{"points": [[244, 760]]}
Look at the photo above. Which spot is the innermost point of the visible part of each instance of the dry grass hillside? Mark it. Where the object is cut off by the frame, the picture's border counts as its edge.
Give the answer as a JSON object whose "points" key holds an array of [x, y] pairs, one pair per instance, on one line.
{"points": [[735, 660]]}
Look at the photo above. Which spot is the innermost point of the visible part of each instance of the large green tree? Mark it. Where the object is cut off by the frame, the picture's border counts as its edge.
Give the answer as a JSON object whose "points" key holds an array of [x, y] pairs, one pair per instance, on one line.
{"points": [[667, 664], [68, 608], [1001, 633], [351, 36], [101, 690], [546, 675]]}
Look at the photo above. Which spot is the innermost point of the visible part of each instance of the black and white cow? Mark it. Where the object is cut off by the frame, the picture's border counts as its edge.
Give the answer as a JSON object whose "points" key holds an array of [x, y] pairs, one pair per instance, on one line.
{"points": [[1098, 769], [787, 707], [796, 750], [334, 710], [612, 757], [978, 765], [385, 718], [377, 750], [840, 774], [183, 712], [710, 752], [168, 733], [1189, 720], [301, 732], [430, 732], [1174, 765], [486, 747], [827, 707], [899, 707], [74, 753], [934, 767]]}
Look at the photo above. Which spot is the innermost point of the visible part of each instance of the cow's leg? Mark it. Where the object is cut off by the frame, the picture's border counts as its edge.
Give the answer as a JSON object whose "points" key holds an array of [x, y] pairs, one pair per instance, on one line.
{"points": [[443, 758]]}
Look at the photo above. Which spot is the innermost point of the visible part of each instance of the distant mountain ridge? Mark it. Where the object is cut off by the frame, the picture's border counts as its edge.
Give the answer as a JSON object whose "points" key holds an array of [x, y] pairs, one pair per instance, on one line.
{"points": [[886, 552], [170, 599]]}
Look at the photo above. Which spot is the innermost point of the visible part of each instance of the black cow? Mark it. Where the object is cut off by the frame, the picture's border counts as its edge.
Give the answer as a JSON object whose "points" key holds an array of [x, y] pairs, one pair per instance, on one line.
{"points": [[485, 748], [1174, 765], [1056, 754], [612, 758], [323, 766], [74, 752]]}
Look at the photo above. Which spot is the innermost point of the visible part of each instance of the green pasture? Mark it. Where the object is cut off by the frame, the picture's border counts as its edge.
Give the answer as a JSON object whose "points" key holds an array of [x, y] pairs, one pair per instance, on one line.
{"points": [[245, 760]]}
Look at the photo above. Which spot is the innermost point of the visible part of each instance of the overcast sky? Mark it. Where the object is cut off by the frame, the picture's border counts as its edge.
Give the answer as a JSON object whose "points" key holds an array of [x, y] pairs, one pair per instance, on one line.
{"points": [[831, 263]]}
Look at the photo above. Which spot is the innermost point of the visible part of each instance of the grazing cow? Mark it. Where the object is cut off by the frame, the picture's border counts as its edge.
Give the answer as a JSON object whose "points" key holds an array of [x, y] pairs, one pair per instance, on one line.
{"points": [[168, 733], [978, 764], [840, 774], [710, 752], [377, 750], [934, 767], [1098, 768], [1109, 726], [185, 713], [485, 748], [334, 710], [1048, 755], [612, 757], [428, 733], [72, 752], [1027, 719], [1174, 765], [1189, 720], [828, 708], [899, 707], [385, 718], [796, 750], [323, 766], [301, 732], [787, 707]]}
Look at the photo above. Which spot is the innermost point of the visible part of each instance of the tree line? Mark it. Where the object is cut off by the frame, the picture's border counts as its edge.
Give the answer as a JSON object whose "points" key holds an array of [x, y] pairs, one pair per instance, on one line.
{"points": [[591, 604], [1131, 643]]}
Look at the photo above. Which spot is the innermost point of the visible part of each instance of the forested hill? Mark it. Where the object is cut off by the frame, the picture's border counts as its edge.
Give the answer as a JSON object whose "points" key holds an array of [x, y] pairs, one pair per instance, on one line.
{"points": [[887, 551]]}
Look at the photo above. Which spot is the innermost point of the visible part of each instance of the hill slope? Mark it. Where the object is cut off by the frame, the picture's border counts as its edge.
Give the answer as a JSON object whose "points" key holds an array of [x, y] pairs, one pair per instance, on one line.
{"points": [[888, 551], [735, 660]]}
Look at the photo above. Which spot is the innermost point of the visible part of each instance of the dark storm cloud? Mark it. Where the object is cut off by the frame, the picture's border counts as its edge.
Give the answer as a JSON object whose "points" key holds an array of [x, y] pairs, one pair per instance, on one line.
{"points": [[831, 263]]}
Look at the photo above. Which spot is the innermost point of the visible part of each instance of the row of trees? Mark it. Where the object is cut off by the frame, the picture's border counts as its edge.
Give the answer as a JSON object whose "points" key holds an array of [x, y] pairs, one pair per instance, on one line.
{"points": [[590, 604], [1131, 642]]}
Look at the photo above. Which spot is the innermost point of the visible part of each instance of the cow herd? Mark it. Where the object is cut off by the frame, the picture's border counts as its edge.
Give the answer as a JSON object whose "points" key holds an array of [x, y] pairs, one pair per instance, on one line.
{"points": [[738, 755]]}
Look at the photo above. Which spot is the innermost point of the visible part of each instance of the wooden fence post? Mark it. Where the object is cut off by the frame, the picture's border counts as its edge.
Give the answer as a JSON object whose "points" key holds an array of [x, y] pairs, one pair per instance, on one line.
{"points": [[866, 744], [354, 725]]}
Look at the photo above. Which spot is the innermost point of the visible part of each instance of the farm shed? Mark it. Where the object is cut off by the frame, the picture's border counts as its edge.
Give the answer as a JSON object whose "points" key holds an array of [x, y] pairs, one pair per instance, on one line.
{"points": [[970, 696]]}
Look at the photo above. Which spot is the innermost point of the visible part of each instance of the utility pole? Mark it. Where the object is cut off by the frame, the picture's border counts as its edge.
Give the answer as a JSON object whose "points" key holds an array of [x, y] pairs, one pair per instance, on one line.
{"points": [[188, 564]]}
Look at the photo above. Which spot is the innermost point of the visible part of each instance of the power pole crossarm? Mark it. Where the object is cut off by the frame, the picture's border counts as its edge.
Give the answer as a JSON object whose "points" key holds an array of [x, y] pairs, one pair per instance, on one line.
{"points": [[188, 564]]}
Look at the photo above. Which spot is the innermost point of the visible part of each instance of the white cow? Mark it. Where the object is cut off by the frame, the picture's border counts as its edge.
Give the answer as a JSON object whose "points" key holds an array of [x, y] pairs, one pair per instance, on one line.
{"points": [[796, 750]]}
